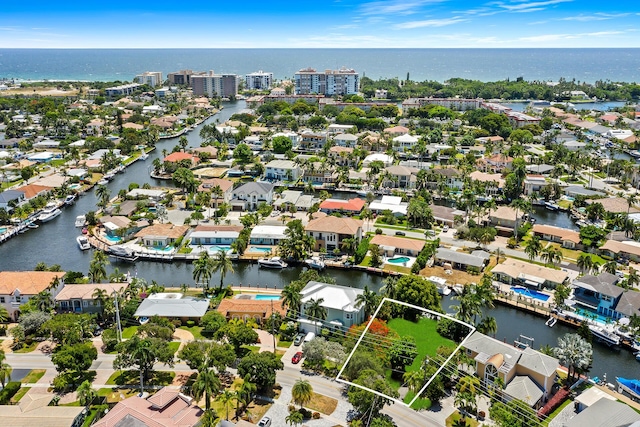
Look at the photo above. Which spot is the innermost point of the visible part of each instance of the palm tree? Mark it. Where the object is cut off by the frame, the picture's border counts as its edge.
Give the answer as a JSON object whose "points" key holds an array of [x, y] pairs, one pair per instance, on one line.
{"points": [[221, 263], [551, 255], [294, 418], [533, 248], [316, 311], [632, 198], [209, 418], [585, 262], [101, 296], [206, 385], [5, 369], [488, 326], [291, 298], [4, 314], [97, 267], [368, 299], [302, 392], [610, 267], [574, 352], [203, 270], [86, 394], [522, 205], [103, 194], [499, 254], [226, 398], [43, 301], [633, 279], [245, 391]]}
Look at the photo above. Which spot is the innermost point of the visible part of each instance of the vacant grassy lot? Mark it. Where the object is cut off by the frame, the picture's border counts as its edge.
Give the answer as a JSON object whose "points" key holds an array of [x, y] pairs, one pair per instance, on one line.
{"points": [[323, 404]]}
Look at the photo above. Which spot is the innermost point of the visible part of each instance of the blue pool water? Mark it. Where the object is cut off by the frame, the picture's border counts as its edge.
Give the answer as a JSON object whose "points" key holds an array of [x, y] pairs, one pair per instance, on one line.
{"points": [[267, 297], [114, 239], [588, 314], [530, 293], [163, 249], [257, 249], [399, 260], [3, 229], [75, 186], [219, 248]]}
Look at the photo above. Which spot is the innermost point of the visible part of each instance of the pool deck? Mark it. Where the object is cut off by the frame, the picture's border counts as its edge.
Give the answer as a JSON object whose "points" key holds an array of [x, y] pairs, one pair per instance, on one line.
{"points": [[256, 290]]}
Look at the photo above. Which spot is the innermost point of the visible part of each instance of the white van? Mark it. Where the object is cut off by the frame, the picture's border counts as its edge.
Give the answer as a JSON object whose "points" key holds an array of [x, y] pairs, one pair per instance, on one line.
{"points": [[309, 337]]}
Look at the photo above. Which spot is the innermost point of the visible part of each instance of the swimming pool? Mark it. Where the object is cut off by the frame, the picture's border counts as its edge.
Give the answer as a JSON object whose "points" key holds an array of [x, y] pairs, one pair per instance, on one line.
{"points": [[258, 249], [219, 248], [163, 249], [266, 297], [399, 260], [530, 293], [592, 315], [3, 229], [114, 239], [75, 186]]}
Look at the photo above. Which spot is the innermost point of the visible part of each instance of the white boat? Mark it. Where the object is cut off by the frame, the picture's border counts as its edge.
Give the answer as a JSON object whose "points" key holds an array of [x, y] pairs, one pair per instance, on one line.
{"points": [[552, 321], [80, 221], [315, 262], [606, 337], [32, 225], [273, 262], [632, 387], [441, 284], [83, 243], [49, 212], [103, 182], [144, 156], [70, 199], [122, 253], [551, 206], [109, 176]]}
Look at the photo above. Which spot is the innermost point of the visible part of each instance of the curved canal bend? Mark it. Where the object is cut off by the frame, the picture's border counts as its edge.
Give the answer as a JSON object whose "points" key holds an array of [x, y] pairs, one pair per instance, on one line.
{"points": [[54, 243]]}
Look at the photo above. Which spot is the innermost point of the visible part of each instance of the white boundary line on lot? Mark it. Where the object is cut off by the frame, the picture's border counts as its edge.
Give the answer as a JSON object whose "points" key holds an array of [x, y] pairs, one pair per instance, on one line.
{"points": [[430, 312]]}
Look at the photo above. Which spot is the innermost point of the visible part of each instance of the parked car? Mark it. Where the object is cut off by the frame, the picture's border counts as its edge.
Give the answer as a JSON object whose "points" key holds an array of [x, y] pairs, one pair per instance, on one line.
{"points": [[296, 358], [400, 233], [299, 338], [265, 422], [445, 228]]}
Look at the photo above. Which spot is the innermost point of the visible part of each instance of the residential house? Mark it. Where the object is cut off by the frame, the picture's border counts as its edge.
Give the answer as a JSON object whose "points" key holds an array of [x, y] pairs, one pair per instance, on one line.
{"points": [[33, 409], [404, 143], [95, 127], [214, 234], [180, 157], [32, 191], [391, 245], [312, 141], [80, 298], [329, 232], [339, 301], [534, 183], [396, 131], [450, 259], [335, 128], [599, 293], [526, 374], [614, 205], [147, 193], [497, 163], [17, 287], [604, 413], [320, 173], [248, 196], [269, 235], [345, 140], [505, 219], [225, 185], [629, 250], [9, 198], [567, 238], [168, 408], [492, 182], [520, 273], [400, 177], [283, 170], [208, 152], [342, 156], [173, 306], [351, 206], [450, 177], [244, 307], [386, 159], [389, 203], [161, 235], [445, 215]]}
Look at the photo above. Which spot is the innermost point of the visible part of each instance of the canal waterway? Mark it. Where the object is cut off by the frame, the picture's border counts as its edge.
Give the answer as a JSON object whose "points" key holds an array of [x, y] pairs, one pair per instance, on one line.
{"points": [[54, 243]]}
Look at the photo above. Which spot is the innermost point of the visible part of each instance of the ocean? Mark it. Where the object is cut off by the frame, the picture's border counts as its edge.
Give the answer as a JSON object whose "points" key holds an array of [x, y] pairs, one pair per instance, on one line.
{"points": [[583, 65]]}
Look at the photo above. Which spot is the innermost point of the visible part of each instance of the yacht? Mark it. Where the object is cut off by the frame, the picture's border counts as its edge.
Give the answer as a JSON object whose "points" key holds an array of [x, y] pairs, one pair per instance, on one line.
{"points": [[70, 199], [273, 262], [551, 206], [80, 221], [49, 212], [144, 156], [122, 253], [315, 262], [608, 338], [83, 242]]}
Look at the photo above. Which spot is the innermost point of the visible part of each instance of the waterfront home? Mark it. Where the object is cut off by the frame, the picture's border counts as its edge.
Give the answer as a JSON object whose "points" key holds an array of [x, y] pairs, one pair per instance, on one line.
{"points": [[282, 170], [445, 215], [329, 231], [339, 302], [312, 141], [404, 143], [173, 306], [10, 197], [386, 159], [505, 219], [351, 206], [147, 193], [629, 250], [320, 173], [527, 375], [605, 412], [293, 137], [391, 245], [534, 184], [539, 169], [598, 293], [168, 408], [520, 273], [214, 234], [207, 152], [567, 238], [182, 158], [243, 307], [396, 131], [400, 177], [345, 140], [614, 204], [248, 196], [17, 287], [81, 298], [493, 182], [450, 259], [451, 177], [269, 235], [118, 226], [297, 199], [497, 163], [225, 185], [335, 128], [161, 235], [389, 203], [579, 190], [46, 144], [341, 156]]}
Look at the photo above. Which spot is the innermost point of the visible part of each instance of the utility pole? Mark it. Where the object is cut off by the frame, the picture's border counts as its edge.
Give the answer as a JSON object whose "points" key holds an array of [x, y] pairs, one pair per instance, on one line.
{"points": [[273, 329], [115, 297]]}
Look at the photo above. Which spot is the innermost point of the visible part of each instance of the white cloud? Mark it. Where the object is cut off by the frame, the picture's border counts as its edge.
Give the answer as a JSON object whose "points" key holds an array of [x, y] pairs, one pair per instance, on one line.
{"points": [[556, 37], [521, 6], [430, 23], [395, 7], [596, 17]]}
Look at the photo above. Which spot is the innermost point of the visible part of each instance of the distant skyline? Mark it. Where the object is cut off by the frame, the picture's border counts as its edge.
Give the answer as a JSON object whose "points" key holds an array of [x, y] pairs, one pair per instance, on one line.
{"points": [[330, 24]]}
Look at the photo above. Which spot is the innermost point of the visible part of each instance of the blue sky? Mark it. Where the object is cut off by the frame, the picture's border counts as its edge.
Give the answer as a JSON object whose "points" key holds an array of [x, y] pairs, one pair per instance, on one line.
{"points": [[339, 23]]}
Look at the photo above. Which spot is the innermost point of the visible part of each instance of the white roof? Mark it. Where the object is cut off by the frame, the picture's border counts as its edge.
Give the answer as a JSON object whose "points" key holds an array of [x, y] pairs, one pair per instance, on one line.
{"points": [[378, 157], [335, 296], [184, 307], [268, 231], [383, 205], [216, 233], [41, 156], [406, 138]]}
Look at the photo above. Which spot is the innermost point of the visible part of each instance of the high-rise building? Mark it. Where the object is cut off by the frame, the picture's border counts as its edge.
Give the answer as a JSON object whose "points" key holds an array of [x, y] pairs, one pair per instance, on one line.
{"points": [[182, 77], [258, 80], [329, 82], [222, 85], [151, 78]]}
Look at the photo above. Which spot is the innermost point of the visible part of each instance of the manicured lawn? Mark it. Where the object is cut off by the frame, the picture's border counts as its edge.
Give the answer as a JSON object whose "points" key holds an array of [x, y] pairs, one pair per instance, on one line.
{"points": [[129, 332], [323, 404], [422, 403], [366, 262], [132, 378], [284, 344], [20, 394], [556, 412], [424, 332], [174, 345], [116, 395], [396, 268], [195, 330], [28, 348], [33, 376]]}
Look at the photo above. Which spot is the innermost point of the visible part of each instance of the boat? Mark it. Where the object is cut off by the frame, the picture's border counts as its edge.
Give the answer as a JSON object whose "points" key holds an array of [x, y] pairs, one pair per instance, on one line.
{"points": [[144, 156], [458, 288], [103, 182], [70, 199], [109, 176], [606, 337], [552, 321], [551, 206], [32, 225], [122, 253], [81, 221], [273, 262], [632, 387], [49, 212], [637, 356], [315, 262], [83, 242], [441, 284]]}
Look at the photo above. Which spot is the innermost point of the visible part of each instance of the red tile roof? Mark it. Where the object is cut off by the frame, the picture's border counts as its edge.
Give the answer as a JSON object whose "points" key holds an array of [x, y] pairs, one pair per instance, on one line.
{"points": [[353, 205], [181, 155]]}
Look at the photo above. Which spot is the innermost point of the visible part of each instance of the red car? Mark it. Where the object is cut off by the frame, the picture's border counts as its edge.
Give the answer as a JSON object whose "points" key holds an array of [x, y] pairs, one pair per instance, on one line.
{"points": [[296, 358]]}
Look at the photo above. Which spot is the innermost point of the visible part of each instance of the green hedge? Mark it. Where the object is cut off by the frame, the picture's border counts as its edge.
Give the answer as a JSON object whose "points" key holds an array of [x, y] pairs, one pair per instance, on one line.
{"points": [[8, 392]]}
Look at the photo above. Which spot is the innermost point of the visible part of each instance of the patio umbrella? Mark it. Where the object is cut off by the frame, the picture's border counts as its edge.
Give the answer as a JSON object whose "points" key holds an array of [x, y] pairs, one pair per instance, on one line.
{"points": [[624, 321]]}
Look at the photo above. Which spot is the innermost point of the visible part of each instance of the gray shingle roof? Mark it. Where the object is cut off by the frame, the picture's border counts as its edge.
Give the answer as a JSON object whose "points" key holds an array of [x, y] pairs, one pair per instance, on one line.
{"points": [[605, 413], [460, 257], [184, 307]]}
